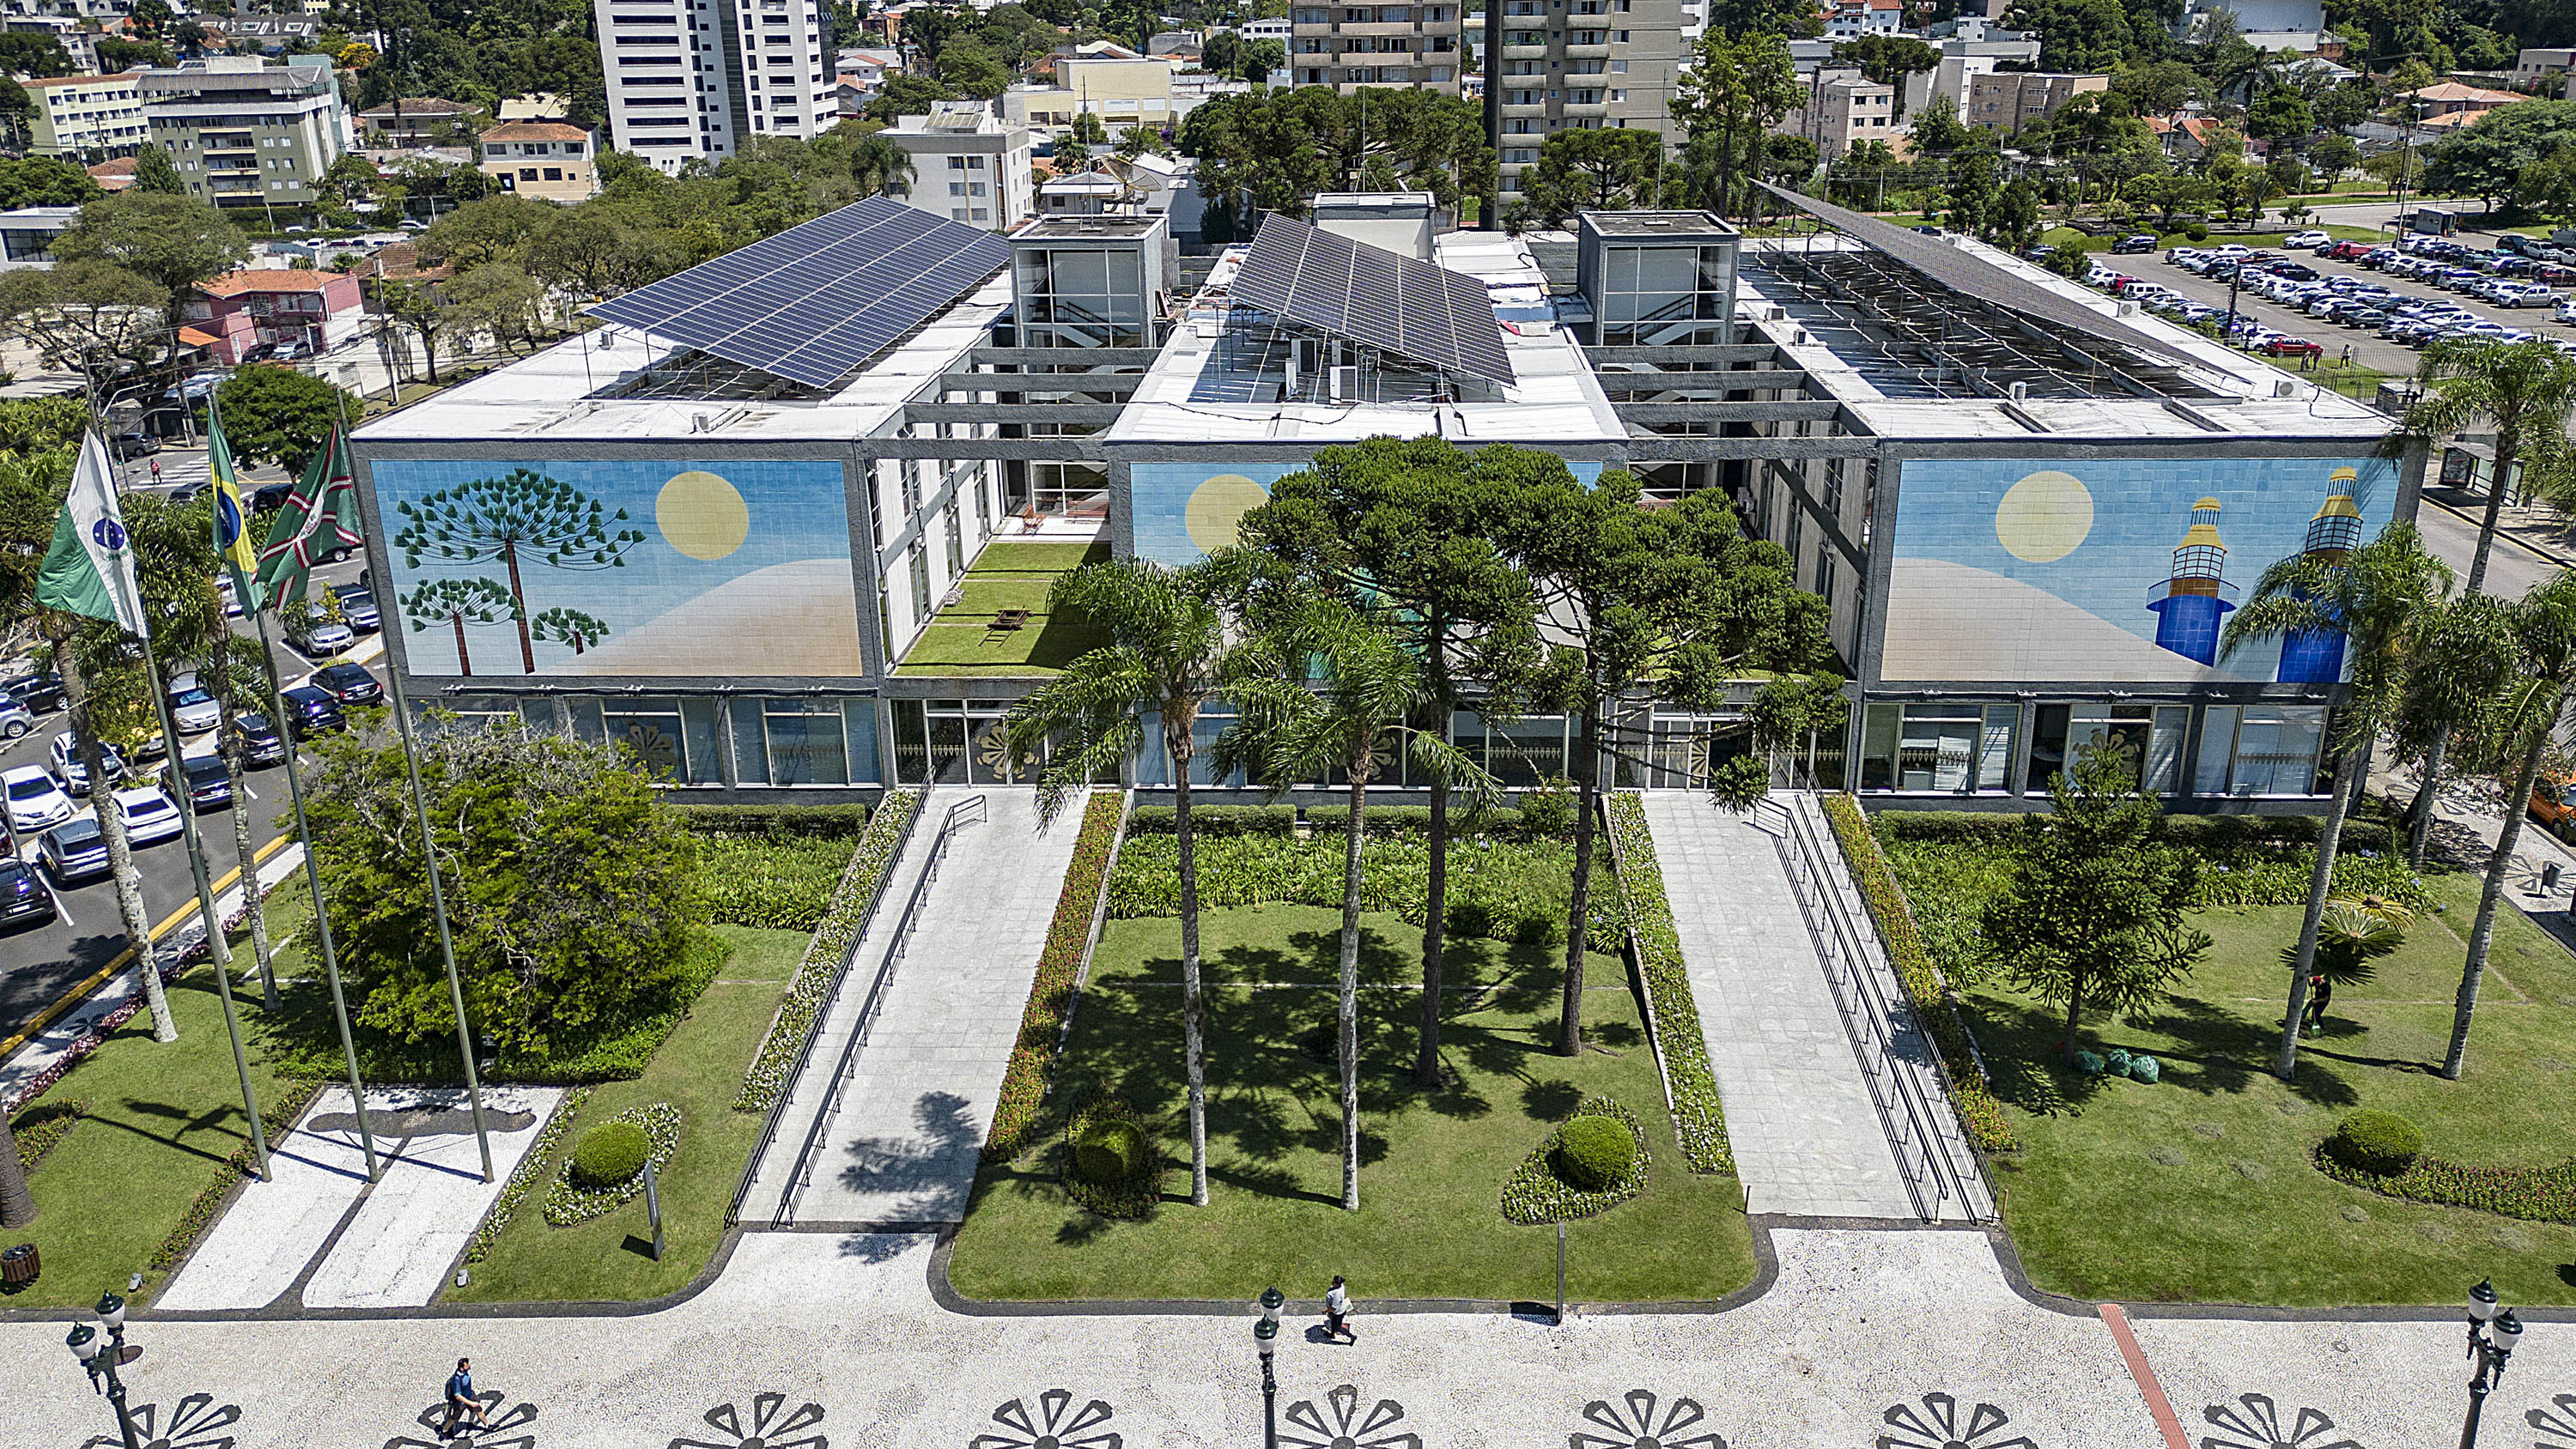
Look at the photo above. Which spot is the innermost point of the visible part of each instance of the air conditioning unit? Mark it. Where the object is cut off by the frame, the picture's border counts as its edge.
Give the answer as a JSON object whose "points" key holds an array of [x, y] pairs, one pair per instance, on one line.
{"points": [[2125, 309], [2285, 387], [1343, 385]]}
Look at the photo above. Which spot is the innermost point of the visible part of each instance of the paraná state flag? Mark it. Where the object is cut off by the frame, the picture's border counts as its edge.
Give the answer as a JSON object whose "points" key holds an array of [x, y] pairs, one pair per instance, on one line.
{"points": [[89, 569], [320, 516]]}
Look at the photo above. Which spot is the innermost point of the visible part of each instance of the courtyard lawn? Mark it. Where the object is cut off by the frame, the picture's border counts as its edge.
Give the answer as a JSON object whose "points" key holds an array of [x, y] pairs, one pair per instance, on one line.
{"points": [[1010, 574], [1434, 1163], [699, 1068], [2201, 1188]]}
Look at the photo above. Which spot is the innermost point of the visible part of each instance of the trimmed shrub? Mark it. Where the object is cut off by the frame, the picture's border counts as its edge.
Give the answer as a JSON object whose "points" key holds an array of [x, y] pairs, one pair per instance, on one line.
{"points": [[1539, 1191], [1672, 1012], [573, 1199], [829, 822], [1549, 812], [1471, 918], [1109, 1151], [609, 1154], [2382, 1144], [1595, 1152], [2146, 1069]]}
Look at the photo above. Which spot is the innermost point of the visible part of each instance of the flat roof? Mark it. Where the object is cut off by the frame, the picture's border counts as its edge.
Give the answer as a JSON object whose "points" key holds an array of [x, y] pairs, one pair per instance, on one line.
{"points": [[1088, 228], [1668, 224]]}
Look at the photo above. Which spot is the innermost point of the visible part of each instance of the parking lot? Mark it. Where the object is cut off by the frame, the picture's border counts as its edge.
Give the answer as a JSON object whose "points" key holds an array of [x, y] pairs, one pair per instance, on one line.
{"points": [[2369, 348]]}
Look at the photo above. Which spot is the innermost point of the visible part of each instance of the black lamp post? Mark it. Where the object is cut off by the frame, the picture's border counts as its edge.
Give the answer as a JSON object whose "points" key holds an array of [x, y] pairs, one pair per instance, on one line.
{"points": [[1265, 1338], [2493, 1332], [101, 1353]]}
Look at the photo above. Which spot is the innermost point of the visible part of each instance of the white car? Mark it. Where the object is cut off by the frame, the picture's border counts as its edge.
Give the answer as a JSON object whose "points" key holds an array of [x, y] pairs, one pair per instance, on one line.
{"points": [[35, 801], [2307, 241], [2565, 311], [148, 813], [194, 710], [2231, 251]]}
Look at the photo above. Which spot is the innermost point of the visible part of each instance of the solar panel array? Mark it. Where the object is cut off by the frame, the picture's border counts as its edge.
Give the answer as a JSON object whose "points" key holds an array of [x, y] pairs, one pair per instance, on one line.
{"points": [[1429, 314], [819, 299]]}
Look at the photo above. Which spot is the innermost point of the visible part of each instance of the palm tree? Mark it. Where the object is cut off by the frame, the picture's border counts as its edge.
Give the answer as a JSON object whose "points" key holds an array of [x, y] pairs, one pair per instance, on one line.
{"points": [[2522, 390], [2377, 596], [2354, 932], [1172, 647], [878, 166], [2544, 640], [2458, 672], [1369, 691]]}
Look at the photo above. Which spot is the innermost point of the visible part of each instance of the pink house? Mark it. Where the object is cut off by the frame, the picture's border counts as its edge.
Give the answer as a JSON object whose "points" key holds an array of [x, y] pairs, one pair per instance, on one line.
{"points": [[238, 311]]}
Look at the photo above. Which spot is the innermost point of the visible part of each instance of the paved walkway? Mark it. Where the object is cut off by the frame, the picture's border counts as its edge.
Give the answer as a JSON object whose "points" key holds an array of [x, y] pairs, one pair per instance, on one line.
{"points": [[1807, 1137], [902, 1146], [1911, 1340]]}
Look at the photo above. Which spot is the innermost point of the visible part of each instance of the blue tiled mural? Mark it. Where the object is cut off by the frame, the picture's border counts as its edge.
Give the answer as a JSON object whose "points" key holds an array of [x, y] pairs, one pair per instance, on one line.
{"points": [[2053, 570], [1185, 511], [728, 567]]}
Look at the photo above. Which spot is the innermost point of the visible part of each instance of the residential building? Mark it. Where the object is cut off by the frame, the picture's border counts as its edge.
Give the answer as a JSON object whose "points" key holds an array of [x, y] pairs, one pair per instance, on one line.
{"points": [[274, 34], [701, 78], [417, 121], [231, 314], [2451, 105], [27, 232], [1349, 46], [2536, 62], [1842, 106], [2011, 99], [968, 164], [101, 10], [81, 45], [114, 174], [541, 160], [1121, 92], [1851, 19], [246, 133], [539, 107], [85, 116], [2267, 25], [1585, 64], [1965, 55], [1281, 29]]}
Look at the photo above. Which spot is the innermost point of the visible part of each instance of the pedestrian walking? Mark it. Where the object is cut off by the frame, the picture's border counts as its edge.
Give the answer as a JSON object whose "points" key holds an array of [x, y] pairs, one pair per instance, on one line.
{"points": [[461, 1403], [1337, 1311], [2320, 996], [156, 470]]}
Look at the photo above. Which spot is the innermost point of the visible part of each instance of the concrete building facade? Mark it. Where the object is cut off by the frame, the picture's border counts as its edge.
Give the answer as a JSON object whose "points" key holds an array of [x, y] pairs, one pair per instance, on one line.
{"points": [[1349, 46], [541, 160], [968, 165], [86, 117], [700, 78], [245, 133], [1842, 107], [1585, 64], [2011, 99]]}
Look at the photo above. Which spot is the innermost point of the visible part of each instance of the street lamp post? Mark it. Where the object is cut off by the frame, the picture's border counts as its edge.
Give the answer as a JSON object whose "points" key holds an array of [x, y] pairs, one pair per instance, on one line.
{"points": [[102, 1353], [1265, 1338], [2493, 1332]]}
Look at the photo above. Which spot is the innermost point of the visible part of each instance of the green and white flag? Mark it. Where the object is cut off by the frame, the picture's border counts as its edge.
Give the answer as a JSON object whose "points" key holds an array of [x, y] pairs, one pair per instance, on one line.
{"points": [[90, 567]]}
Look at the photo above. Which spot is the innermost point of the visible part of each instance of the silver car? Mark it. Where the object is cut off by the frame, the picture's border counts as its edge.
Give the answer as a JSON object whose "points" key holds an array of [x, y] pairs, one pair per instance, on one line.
{"points": [[195, 711]]}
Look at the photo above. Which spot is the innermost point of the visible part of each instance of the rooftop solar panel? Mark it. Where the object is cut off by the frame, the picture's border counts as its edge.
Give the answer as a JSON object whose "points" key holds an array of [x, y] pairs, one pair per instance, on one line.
{"points": [[1416, 310], [817, 300]]}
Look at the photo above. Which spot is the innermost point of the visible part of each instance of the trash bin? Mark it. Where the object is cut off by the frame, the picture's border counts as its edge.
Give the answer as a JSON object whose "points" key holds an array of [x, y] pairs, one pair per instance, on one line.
{"points": [[19, 1266], [2548, 877]]}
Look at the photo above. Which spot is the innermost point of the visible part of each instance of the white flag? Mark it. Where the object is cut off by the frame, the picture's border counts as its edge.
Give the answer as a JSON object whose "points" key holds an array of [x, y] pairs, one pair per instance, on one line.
{"points": [[90, 567]]}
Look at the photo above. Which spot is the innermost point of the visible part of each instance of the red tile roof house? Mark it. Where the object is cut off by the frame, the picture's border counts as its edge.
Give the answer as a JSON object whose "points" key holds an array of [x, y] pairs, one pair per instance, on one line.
{"points": [[240, 310]]}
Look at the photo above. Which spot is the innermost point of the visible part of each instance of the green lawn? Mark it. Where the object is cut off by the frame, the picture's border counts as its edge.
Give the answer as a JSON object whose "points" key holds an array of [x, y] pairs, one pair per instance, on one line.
{"points": [[699, 1069], [1009, 574], [1434, 1163], [2201, 1188]]}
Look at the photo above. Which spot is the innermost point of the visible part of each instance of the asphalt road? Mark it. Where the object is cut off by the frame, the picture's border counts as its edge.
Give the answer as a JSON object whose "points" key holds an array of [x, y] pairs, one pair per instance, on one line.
{"points": [[39, 963], [2513, 567]]}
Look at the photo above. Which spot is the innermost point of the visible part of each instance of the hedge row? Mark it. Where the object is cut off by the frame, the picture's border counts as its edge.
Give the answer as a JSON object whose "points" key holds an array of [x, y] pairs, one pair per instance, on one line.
{"points": [[1382, 822], [532, 1165], [279, 1115], [827, 822], [1698, 1117], [827, 953], [42, 1128], [2537, 1194], [2211, 833], [772, 882], [1024, 1082], [1511, 890], [1979, 1112]]}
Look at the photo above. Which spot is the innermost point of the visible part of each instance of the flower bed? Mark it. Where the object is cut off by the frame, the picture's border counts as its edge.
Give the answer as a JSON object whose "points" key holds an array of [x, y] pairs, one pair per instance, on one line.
{"points": [[1979, 1113], [2536, 1194], [567, 1204], [853, 901], [532, 1164], [1536, 1194], [1698, 1118], [42, 1129], [279, 1116], [1042, 1021]]}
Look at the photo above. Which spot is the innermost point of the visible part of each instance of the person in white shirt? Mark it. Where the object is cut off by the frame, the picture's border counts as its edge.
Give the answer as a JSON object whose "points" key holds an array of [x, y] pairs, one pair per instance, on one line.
{"points": [[1337, 1311]]}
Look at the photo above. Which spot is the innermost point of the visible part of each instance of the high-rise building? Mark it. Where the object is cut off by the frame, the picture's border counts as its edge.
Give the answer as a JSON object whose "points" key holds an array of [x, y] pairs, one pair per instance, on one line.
{"points": [[699, 78], [1585, 64], [1346, 47], [246, 133]]}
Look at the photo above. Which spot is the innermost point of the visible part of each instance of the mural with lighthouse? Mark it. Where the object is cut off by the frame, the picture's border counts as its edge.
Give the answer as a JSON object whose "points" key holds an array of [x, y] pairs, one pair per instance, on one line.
{"points": [[2052, 571]]}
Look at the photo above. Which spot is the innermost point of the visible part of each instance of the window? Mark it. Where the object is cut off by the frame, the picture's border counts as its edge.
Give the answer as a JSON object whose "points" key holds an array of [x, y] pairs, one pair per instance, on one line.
{"points": [[2260, 749], [1957, 748], [805, 743]]}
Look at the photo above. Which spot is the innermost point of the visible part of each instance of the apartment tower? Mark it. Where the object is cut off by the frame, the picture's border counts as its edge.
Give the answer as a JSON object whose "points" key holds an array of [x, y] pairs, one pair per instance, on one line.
{"points": [[702, 78]]}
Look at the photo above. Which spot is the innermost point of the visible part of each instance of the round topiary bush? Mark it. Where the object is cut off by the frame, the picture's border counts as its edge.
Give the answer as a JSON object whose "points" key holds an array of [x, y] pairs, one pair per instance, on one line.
{"points": [[1110, 1150], [2382, 1144], [609, 1154], [1595, 1152]]}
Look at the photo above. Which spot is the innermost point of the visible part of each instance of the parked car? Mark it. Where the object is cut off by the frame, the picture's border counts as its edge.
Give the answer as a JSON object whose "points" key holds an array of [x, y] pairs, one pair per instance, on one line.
{"points": [[23, 897], [2295, 271], [292, 351], [74, 775], [15, 718], [348, 683], [42, 693], [73, 852], [270, 497], [194, 710], [210, 784], [259, 742], [358, 606], [315, 636], [2286, 346], [2131, 246], [149, 814], [191, 491], [135, 445], [2307, 241], [35, 800], [310, 712], [2522, 294]]}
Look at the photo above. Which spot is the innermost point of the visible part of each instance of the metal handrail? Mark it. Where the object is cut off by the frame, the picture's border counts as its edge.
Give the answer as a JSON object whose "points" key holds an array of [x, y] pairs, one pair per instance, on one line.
{"points": [[1910, 1119], [777, 1112], [957, 816]]}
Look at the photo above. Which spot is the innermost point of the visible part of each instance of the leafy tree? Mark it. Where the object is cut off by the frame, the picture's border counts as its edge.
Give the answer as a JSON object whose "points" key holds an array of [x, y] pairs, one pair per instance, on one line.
{"points": [[1789, 19], [564, 626], [971, 70], [1261, 59], [523, 513], [2333, 156], [29, 53], [349, 180], [2078, 35], [2520, 391], [2015, 224], [1973, 192], [500, 299], [92, 316], [906, 95], [420, 308], [1735, 90], [2347, 103], [1173, 646], [2487, 157], [173, 241], [2158, 88], [2354, 932], [456, 603], [2281, 116], [1137, 141], [2379, 597], [2168, 196], [1604, 169], [150, 18], [1677, 597], [570, 884], [1888, 60], [1369, 693], [879, 167], [157, 174], [44, 181], [491, 229], [1087, 130], [1938, 131], [281, 415], [2093, 914], [2548, 188], [117, 56], [1273, 150]]}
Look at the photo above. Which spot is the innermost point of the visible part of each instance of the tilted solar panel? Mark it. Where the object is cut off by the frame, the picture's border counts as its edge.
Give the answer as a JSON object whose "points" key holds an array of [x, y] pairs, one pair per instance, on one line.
{"points": [[1411, 308], [819, 299]]}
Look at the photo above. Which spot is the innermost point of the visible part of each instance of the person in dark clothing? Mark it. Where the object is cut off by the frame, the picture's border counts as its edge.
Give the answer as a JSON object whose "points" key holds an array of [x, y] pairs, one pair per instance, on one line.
{"points": [[2320, 996], [1337, 1311], [461, 1403]]}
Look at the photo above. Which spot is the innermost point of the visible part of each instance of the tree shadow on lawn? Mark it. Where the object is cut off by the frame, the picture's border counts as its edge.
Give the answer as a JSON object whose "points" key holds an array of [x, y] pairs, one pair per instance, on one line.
{"points": [[2211, 1050]]}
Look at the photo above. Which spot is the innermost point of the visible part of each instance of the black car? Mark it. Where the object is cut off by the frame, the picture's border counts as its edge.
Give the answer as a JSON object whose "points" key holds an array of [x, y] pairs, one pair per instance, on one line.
{"points": [[259, 741], [187, 492], [2294, 271], [348, 683], [74, 851], [270, 497], [23, 897], [210, 785], [310, 712], [42, 693], [2130, 246]]}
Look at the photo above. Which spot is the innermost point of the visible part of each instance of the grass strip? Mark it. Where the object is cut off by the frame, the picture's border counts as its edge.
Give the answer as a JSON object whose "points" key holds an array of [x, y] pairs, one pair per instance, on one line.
{"points": [[532, 1165], [1024, 1082], [1698, 1117], [42, 1128]]}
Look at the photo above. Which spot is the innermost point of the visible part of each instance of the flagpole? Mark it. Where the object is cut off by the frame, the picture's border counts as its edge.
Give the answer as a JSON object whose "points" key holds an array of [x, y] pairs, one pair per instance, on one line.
{"points": [[429, 858]]}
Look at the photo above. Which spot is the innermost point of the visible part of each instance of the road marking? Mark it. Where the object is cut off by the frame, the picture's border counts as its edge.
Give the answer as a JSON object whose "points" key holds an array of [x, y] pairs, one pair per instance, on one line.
{"points": [[2117, 1320], [106, 973]]}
